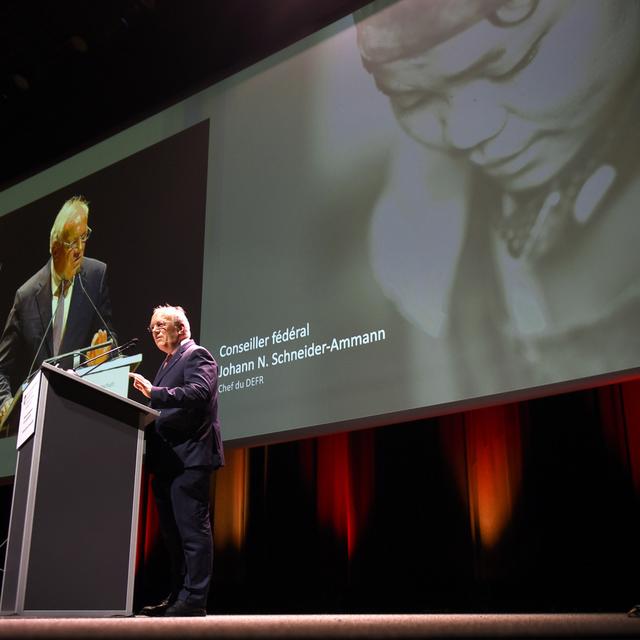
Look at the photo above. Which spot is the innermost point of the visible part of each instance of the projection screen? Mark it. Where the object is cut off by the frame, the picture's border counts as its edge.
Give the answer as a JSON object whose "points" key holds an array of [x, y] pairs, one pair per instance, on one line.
{"points": [[422, 207]]}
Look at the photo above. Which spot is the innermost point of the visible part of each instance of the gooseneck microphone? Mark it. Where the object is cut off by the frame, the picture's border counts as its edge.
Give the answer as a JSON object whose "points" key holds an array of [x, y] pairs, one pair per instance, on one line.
{"points": [[106, 326], [110, 353], [77, 352]]}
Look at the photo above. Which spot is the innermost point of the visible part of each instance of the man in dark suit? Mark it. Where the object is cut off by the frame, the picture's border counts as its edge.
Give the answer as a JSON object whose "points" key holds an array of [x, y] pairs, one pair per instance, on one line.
{"points": [[38, 327], [184, 446]]}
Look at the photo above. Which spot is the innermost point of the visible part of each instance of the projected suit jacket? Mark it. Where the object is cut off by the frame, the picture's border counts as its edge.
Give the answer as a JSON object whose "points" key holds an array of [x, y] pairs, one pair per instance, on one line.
{"points": [[31, 314], [187, 432]]}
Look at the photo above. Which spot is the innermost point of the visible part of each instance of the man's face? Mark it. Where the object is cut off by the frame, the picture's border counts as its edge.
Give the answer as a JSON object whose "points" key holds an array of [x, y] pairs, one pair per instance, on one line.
{"points": [[164, 332], [67, 258], [518, 99]]}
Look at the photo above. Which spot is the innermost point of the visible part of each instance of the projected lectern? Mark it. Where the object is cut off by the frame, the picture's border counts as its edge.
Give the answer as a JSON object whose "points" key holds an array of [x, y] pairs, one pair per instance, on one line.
{"points": [[72, 534]]}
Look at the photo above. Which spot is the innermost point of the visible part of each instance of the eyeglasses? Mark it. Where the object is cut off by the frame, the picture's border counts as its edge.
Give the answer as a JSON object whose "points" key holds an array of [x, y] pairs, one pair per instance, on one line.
{"points": [[76, 243], [161, 325]]}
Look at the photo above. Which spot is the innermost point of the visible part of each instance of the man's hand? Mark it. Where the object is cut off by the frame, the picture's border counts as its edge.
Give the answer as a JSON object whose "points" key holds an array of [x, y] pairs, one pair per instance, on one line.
{"points": [[141, 384], [98, 338]]}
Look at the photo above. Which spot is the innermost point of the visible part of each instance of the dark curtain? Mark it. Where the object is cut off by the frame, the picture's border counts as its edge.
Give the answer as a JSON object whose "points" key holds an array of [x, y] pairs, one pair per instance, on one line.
{"points": [[529, 506]]}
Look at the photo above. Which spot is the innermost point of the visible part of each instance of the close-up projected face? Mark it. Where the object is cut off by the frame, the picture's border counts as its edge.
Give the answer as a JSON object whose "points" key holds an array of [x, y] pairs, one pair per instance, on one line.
{"points": [[517, 87], [68, 250]]}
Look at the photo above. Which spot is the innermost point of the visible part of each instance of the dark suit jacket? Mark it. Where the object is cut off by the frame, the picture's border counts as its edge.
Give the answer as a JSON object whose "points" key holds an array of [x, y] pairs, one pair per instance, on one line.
{"points": [[187, 432], [30, 316]]}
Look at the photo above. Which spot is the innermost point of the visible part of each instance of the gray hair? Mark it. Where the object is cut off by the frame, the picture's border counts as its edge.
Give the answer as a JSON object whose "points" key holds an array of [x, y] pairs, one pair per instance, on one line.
{"points": [[68, 208], [177, 315]]}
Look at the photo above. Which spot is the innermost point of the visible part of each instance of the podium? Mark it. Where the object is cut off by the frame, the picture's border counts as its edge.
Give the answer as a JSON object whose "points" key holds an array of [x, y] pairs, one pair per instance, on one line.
{"points": [[74, 516]]}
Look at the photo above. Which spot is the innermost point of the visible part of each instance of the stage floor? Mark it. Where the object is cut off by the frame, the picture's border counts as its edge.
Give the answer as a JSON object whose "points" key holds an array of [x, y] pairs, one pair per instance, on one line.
{"points": [[591, 625]]}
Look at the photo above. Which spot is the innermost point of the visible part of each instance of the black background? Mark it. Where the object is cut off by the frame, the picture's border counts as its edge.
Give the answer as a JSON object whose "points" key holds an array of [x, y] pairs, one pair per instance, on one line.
{"points": [[147, 216], [74, 72]]}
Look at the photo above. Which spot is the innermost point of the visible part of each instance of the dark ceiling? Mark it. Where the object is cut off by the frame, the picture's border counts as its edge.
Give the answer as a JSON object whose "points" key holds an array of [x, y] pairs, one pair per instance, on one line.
{"points": [[73, 72]]}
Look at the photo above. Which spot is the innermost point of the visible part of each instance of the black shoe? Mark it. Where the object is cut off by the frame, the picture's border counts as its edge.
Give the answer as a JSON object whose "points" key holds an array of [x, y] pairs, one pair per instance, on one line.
{"points": [[156, 610], [634, 612], [180, 609]]}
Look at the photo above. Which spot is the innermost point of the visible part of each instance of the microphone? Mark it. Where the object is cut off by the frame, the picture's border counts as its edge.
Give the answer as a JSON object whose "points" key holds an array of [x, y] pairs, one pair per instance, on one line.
{"points": [[106, 326], [122, 347], [78, 352], [62, 356]]}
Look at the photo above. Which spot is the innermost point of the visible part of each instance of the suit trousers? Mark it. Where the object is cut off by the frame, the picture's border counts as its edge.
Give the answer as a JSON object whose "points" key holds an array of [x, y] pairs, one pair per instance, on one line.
{"points": [[185, 525]]}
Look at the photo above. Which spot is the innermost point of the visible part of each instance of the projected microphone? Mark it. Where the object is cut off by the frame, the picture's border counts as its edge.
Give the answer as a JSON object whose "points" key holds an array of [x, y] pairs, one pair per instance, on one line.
{"points": [[111, 352], [33, 362], [106, 326]]}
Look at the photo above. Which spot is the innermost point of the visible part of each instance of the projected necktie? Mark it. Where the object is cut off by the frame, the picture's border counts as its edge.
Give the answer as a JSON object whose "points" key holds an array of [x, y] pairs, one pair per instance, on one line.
{"points": [[58, 320]]}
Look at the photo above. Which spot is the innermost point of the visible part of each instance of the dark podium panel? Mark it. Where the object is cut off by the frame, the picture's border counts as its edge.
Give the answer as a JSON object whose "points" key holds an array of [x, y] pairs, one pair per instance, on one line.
{"points": [[74, 517]]}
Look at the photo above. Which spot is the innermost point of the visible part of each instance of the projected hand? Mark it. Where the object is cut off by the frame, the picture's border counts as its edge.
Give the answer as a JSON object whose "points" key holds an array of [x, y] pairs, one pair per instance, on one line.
{"points": [[4, 409], [141, 384], [98, 338]]}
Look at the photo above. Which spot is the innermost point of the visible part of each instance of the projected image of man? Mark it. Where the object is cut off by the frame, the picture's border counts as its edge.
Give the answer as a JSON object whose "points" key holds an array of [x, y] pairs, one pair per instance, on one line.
{"points": [[517, 176], [62, 307]]}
